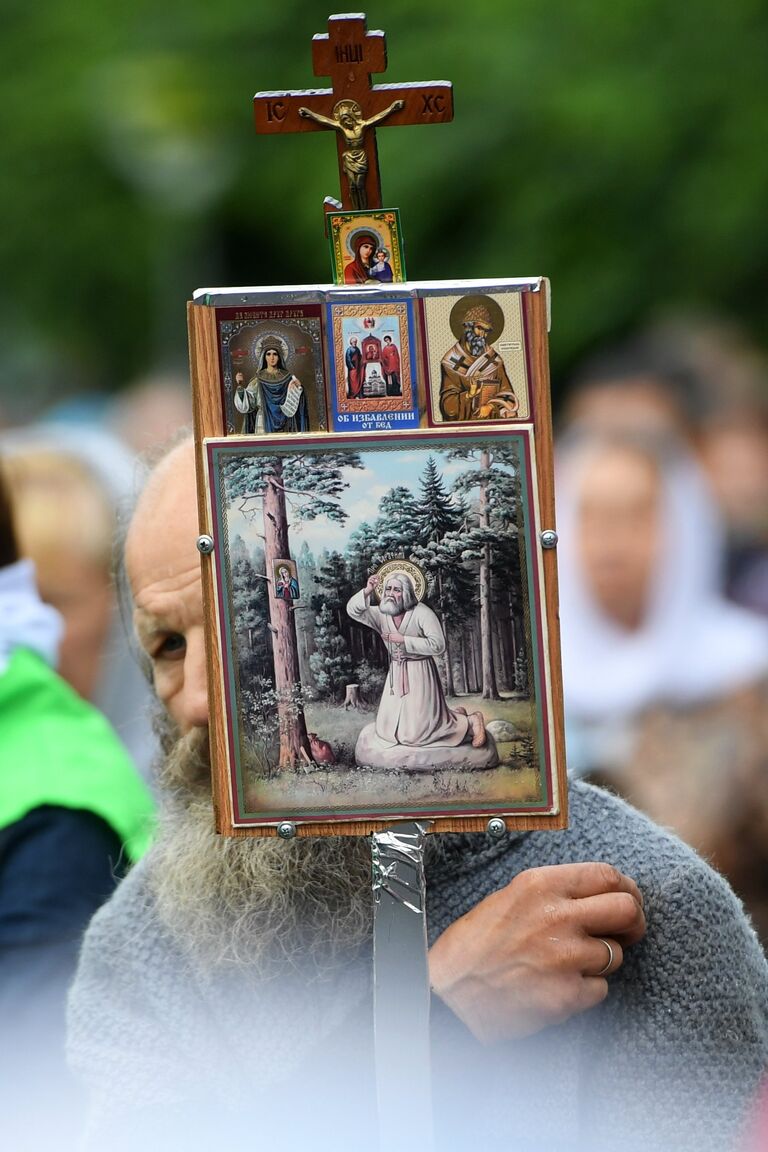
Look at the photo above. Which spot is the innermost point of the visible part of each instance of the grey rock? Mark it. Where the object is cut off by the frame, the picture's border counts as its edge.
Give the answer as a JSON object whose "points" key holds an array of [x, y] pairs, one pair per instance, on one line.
{"points": [[502, 730]]}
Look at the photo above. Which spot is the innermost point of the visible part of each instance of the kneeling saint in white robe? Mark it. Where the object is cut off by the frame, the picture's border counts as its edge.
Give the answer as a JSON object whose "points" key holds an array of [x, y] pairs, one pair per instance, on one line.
{"points": [[412, 711]]}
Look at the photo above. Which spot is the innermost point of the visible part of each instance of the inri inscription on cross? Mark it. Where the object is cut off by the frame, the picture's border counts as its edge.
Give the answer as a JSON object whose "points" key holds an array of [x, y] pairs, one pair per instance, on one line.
{"points": [[349, 55]]}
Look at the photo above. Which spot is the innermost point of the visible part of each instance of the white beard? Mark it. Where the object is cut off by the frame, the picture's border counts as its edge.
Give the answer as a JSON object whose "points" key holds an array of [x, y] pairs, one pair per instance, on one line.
{"points": [[391, 607], [254, 902]]}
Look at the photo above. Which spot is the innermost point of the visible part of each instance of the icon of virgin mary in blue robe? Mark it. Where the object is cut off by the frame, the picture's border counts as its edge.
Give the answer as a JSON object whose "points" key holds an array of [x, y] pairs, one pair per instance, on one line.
{"points": [[274, 400]]}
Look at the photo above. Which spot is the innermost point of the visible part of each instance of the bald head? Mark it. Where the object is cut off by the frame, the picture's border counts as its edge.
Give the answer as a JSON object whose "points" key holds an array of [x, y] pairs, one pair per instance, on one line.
{"points": [[163, 569]]}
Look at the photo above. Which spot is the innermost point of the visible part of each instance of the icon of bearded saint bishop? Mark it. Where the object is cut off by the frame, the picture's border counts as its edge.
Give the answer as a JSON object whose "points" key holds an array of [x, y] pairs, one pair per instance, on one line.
{"points": [[413, 712], [473, 380]]}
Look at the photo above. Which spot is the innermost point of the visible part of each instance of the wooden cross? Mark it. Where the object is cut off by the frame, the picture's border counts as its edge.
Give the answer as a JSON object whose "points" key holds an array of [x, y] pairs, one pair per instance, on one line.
{"points": [[349, 54]]}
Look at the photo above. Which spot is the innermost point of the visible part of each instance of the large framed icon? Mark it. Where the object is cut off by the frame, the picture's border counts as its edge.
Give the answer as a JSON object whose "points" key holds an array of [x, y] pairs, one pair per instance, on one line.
{"points": [[402, 671]]}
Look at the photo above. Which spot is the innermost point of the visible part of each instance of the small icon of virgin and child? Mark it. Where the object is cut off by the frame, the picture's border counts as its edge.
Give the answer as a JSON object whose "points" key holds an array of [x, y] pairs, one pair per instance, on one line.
{"points": [[414, 727], [273, 400], [371, 257]]}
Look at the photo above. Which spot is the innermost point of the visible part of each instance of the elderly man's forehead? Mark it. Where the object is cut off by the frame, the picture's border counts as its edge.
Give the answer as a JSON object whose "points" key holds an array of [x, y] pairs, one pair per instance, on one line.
{"points": [[162, 536]]}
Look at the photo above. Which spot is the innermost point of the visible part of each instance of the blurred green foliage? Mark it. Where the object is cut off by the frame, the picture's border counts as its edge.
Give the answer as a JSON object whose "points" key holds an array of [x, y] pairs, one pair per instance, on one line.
{"points": [[618, 148]]}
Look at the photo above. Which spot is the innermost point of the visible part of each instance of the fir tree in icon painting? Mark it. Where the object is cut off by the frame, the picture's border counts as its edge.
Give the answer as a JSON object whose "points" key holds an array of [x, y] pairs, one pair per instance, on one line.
{"points": [[312, 487]]}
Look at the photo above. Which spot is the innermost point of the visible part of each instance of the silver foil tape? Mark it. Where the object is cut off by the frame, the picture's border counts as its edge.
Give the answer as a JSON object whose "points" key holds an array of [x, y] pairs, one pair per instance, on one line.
{"points": [[397, 859], [401, 987]]}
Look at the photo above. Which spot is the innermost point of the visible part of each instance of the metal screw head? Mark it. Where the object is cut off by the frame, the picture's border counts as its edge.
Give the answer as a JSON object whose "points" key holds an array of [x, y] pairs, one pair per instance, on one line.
{"points": [[205, 544], [286, 830], [549, 538], [496, 828]]}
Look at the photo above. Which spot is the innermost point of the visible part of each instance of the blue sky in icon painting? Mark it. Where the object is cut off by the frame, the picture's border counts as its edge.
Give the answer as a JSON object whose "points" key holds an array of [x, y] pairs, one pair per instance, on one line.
{"points": [[381, 472]]}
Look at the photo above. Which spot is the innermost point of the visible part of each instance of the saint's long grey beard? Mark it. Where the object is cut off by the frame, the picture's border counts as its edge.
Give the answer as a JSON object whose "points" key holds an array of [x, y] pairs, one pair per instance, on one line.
{"points": [[252, 902], [475, 344]]}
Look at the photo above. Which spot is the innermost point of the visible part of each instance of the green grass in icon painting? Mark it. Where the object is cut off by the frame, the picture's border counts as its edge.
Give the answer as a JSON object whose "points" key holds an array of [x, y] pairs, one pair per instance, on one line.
{"points": [[344, 785]]}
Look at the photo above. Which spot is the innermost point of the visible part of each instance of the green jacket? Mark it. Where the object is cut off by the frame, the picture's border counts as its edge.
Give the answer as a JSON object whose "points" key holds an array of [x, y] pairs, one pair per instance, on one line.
{"points": [[56, 749]]}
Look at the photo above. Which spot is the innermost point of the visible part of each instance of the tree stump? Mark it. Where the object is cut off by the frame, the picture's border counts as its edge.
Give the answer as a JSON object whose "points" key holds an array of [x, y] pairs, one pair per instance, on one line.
{"points": [[352, 697]]}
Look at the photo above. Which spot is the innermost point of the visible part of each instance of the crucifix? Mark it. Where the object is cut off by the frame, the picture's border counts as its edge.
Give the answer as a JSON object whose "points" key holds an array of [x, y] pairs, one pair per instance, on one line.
{"points": [[353, 107]]}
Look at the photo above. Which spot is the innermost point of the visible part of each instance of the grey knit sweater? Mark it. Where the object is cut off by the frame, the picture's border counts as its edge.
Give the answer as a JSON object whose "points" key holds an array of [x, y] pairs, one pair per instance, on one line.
{"points": [[671, 1060]]}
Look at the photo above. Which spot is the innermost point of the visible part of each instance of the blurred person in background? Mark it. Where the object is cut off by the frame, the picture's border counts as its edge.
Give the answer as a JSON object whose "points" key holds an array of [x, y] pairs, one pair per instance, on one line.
{"points": [[704, 381], [734, 452], [618, 395], [148, 413], [664, 680], [68, 484], [73, 815]]}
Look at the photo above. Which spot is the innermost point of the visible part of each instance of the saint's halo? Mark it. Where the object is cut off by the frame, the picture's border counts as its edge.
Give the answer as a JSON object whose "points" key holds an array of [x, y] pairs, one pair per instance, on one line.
{"points": [[418, 578], [477, 300]]}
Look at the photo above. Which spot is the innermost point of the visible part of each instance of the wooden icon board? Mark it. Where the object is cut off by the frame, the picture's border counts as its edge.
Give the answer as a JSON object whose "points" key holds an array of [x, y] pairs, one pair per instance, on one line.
{"points": [[328, 711]]}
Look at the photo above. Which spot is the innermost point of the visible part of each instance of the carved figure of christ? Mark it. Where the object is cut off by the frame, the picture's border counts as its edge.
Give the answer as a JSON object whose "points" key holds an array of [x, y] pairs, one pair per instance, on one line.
{"points": [[348, 119]]}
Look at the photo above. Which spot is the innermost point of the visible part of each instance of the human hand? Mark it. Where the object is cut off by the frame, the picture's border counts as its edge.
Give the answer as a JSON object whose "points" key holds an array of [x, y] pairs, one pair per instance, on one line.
{"points": [[370, 586], [534, 953], [394, 637]]}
